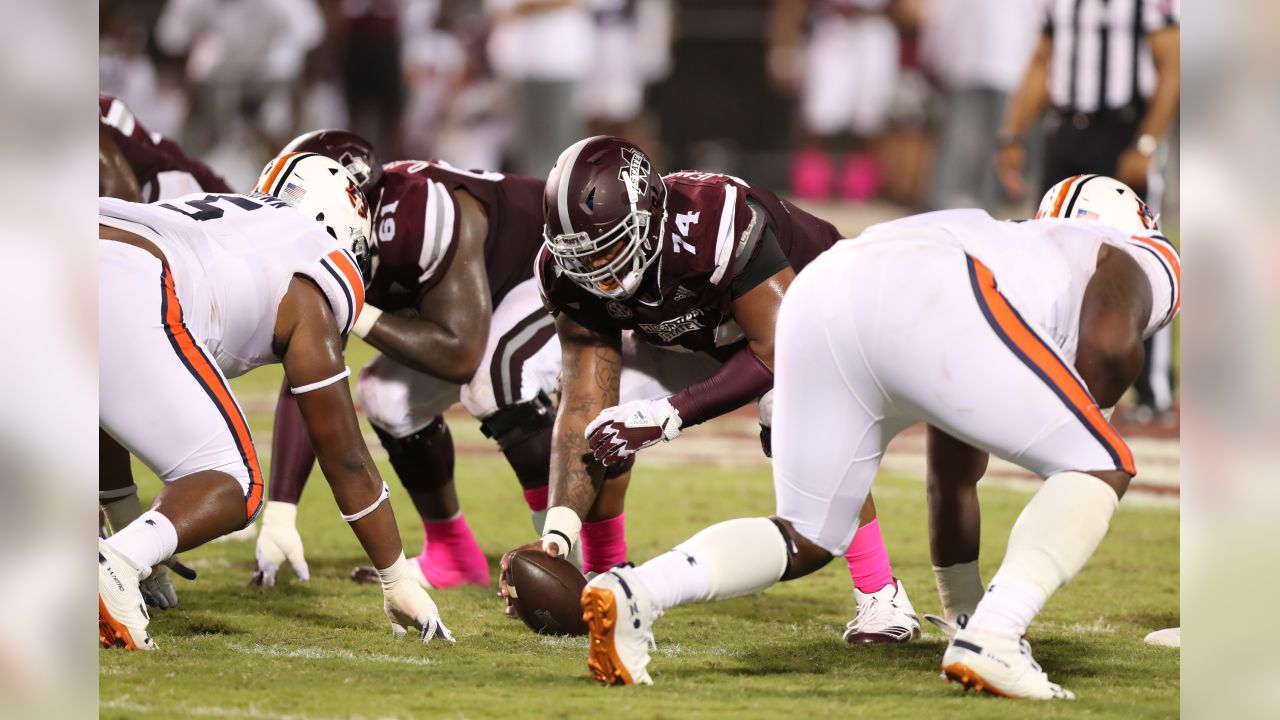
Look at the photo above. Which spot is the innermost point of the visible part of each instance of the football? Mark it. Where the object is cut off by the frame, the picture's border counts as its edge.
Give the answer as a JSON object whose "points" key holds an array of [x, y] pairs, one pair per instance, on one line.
{"points": [[545, 592]]}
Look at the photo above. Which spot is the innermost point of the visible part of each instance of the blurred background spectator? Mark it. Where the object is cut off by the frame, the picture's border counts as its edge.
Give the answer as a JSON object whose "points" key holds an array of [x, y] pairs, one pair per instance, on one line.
{"points": [[841, 58], [544, 50], [976, 52], [895, 103]]}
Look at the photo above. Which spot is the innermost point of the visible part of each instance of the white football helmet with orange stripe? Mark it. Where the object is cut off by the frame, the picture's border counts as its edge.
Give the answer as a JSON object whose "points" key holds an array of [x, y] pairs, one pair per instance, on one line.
{"points": [[322, 189], [1099, 198]]}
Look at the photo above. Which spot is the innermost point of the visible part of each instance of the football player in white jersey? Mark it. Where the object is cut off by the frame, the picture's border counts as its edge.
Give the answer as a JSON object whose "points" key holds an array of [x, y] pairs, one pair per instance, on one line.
{"points": [[1007, 337], [205, 287]]}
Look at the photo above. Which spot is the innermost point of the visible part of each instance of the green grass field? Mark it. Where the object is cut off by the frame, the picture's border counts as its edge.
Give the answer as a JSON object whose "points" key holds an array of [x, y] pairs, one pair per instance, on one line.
{"points": [[324, 649]]}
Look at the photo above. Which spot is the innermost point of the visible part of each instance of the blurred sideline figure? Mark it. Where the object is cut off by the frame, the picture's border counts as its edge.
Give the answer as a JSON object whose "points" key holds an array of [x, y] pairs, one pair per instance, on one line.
{"points": [[841, 57], [543, 49], [1110, 71], [205, 288], [976, 51], [633, 39], [1040, 325], [244, 59]]}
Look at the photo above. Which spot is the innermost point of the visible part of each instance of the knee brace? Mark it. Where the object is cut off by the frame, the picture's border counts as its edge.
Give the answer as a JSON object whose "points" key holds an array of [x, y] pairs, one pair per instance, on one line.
{"points": [[423, 460], [766, 440], [514, 424]]}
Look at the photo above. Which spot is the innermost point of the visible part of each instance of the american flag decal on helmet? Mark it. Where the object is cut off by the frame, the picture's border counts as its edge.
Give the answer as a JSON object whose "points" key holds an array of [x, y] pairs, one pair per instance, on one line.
{"points": [[292, 194]]}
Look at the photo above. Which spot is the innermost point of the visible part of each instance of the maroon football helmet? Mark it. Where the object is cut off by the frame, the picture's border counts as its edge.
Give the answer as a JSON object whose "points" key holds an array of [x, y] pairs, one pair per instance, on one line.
{"points": [[352, 151], [605, 208]]}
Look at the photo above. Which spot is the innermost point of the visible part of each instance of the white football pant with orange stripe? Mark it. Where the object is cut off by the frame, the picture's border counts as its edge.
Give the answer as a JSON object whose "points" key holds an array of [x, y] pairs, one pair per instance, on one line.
{"points": [[160, 395], [876, 336]]}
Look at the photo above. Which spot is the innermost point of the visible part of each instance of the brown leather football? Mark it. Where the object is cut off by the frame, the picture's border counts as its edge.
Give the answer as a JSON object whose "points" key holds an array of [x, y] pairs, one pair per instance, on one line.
{"points": [[546, 592]]}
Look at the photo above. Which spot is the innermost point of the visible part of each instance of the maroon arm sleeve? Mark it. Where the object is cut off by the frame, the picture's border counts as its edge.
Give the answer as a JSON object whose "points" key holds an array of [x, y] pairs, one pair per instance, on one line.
{"points": [[291, 455], [743, 378]]}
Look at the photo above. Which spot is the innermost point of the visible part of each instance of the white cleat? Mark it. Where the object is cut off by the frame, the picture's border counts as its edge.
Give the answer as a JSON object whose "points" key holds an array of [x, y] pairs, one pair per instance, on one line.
{"points": [[620, 619], [1169, 637], [122, 615], [998, 665], [884, 616]]}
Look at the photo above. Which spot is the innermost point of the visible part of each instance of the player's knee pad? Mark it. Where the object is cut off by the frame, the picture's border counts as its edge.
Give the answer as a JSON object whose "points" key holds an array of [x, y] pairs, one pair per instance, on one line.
{"points": [[514, 424], [743, 556], [423, 460], [1059, 529]]}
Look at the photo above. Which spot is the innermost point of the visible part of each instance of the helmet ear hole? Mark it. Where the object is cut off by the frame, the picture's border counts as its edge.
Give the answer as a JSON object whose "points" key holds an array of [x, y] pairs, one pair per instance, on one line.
{"points": [[331, 232], [591, 199], [320, 217]]}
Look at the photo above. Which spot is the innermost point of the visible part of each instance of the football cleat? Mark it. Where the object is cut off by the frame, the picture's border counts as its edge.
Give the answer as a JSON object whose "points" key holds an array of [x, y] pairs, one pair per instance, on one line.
{"points": [[620, 619], [884, 616], [122, 614], [998, 665]]}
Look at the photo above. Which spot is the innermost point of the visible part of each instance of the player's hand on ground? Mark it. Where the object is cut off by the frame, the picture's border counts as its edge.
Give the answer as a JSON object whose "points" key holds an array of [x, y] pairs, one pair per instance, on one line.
{"points": [[278, 543], [504, 575], [409, 606], [620, 431], [157, 589]]}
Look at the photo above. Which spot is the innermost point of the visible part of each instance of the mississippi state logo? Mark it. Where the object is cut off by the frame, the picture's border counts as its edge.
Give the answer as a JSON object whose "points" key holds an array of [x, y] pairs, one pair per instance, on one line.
{"points": [[617, 311]]}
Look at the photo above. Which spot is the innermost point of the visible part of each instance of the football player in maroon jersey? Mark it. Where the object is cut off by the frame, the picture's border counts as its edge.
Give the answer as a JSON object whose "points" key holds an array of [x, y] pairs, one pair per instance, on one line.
{"points": [[454, 311], [141, 166], [692, 261]]}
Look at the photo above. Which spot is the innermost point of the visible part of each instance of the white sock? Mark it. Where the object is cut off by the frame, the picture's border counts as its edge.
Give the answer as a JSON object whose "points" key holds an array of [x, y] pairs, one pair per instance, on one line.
{"points": [[146, 541], [727, 560], [1008, 607], [674, 578], [959, 589], [1054, 536]]}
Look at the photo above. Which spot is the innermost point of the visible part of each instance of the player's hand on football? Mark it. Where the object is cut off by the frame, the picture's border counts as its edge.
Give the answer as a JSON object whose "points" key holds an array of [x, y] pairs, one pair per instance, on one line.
{"points": [[504, 576], [620, 431], [278, 543], [409, 606]]}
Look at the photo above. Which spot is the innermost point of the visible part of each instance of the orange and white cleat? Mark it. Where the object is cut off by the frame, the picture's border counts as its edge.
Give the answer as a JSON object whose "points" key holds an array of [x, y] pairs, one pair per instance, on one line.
{"points": [[998, 665], [620, 619], [122, 614]]}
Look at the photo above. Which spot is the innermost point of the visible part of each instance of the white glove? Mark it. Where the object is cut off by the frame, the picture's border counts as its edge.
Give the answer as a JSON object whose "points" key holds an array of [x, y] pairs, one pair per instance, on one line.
{"points": [[157, 589], [279, 542], [620, 431], [408, 605]]}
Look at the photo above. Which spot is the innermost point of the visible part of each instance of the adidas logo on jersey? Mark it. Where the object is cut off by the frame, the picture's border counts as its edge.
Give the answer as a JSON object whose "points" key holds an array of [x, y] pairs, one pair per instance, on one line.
{"points": [[682, 293]]}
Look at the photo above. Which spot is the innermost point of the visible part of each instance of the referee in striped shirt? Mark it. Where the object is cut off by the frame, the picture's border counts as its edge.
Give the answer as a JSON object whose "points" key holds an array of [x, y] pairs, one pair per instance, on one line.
{"points": [[1109, 70]]}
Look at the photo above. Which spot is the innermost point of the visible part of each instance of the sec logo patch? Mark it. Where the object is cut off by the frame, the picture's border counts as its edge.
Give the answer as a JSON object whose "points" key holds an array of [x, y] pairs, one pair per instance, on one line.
{"points": [[617, 311]]}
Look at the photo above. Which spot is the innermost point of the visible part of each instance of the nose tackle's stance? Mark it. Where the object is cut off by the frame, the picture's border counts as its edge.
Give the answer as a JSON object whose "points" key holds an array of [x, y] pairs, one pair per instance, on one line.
{"points": [[1009, 338], [205, 287]]}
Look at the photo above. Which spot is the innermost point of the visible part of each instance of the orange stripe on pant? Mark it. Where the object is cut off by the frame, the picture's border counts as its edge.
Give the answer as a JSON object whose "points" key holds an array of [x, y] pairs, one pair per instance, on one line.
{"points": [[211, 380], [1014, 331]]}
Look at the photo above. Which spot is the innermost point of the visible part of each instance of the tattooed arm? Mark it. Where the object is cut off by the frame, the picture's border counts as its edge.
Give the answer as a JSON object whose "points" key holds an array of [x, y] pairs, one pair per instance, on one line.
{"points": [[592, 365]]}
